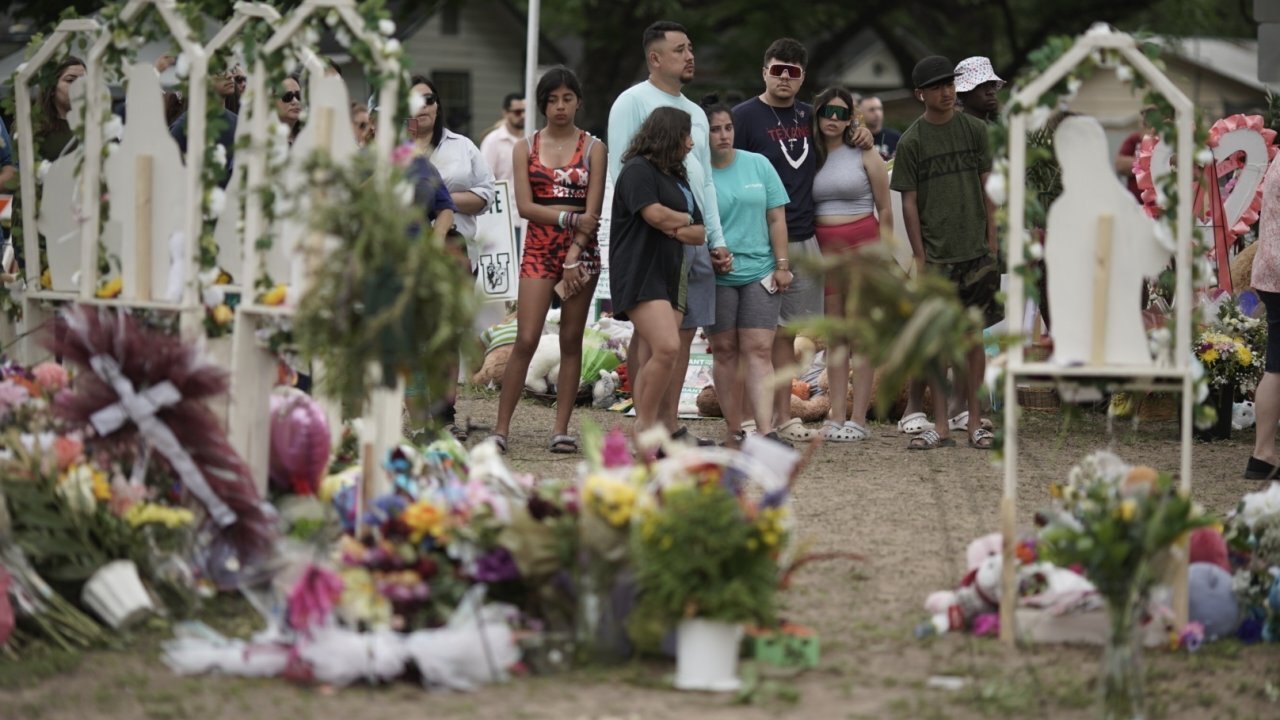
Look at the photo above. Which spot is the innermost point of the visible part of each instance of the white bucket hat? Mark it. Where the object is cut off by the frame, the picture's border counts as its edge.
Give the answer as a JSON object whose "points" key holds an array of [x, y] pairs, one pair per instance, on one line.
{"points": [[972, 72]]}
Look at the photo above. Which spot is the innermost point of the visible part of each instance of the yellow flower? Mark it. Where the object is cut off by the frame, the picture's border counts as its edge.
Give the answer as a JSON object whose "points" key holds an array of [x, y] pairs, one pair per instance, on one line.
{"points": [[1128, 508], [275, 296], [111, 289], [425, 518], [610, 498], [770, 539], [151, 513], [223, 314], [1244, 355], [101, 488], [223, 278], [46, 280], [1055, 491], [1210, 355]]}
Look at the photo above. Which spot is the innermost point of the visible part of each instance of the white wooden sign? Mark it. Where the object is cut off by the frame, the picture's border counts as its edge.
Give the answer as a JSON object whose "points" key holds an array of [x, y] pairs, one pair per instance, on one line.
{"points": [[498, 257]]}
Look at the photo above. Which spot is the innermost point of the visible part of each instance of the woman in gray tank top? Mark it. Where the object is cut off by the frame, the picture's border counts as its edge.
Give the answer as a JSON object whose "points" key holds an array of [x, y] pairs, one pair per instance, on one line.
{"points": [[851, 195]]}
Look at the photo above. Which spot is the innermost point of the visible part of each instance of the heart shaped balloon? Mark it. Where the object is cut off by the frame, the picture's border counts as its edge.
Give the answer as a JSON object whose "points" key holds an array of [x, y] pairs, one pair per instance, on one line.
{"points": [[300, 443]]}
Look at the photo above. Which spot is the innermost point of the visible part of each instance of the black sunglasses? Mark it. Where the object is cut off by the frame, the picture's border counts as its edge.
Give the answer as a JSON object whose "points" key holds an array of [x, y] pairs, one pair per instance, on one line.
{"points": [[429, 98], [834, 112], [291, 96], [240, 79]]}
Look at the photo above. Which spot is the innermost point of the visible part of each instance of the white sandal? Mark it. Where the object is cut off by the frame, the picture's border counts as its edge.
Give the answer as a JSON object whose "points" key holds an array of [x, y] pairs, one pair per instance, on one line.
{"points": [[795, 431], [914, 423], [961, 422], [848, 432]]}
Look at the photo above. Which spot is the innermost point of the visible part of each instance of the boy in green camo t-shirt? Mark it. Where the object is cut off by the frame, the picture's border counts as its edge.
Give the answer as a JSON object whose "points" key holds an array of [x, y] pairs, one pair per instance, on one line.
{"points": [[941, 170]]}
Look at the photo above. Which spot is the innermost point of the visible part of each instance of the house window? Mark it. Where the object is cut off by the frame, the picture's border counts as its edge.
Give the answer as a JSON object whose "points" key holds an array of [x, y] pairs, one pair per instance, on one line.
{"points": [[455, 93], [449, 19]]}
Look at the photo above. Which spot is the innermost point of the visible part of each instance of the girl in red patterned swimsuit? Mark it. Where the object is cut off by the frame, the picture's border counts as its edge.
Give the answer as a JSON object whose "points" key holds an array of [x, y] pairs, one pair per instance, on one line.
{"points": [[559, 184]]}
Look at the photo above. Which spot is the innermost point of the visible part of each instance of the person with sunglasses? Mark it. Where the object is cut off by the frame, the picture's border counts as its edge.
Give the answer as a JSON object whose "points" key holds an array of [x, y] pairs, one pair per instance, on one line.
{"points": [[361, 124], [467, 177], [776, 125], [225, 85], [289, 106], [941, 170], [853, 209], [669, 56], [497, 146]]}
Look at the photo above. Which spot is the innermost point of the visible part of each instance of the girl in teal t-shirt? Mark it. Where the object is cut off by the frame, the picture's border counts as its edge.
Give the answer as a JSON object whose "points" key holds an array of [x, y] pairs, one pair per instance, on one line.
{"points": [[752, 203]]}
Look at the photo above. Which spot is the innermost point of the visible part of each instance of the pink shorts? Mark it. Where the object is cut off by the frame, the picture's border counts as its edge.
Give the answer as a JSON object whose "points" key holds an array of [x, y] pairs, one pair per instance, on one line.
{"points": [[836, 239]]}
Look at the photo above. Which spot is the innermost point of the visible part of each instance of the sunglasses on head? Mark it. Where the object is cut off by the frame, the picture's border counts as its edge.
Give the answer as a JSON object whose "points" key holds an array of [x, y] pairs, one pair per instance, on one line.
{"points": [[784, 70], [834, 112], [291, 96]]}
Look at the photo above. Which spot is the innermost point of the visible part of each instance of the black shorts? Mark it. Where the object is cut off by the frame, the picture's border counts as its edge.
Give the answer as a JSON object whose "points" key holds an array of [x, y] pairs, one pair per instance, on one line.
{"points": [[1271, 301], [977, 283]]}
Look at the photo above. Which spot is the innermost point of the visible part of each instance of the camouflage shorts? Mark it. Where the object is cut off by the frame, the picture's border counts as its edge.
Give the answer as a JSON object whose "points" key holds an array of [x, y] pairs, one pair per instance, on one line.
{"points": [[977, 283]]}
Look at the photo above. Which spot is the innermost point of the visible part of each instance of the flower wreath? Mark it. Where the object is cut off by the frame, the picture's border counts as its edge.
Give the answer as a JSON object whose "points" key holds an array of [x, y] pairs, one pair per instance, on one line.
{"points": [[1144, 174]]}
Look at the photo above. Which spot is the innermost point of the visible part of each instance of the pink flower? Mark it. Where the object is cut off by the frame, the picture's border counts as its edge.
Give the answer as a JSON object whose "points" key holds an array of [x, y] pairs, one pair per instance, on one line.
{"points": [[125, 494], [12, 395], [50, 376], [312, 600], [402, 155], [615, 449], [67, 450]]}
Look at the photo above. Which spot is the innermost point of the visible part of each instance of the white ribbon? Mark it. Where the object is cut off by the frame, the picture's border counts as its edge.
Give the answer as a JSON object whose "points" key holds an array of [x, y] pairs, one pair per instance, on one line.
{"points": [[141, 408]]}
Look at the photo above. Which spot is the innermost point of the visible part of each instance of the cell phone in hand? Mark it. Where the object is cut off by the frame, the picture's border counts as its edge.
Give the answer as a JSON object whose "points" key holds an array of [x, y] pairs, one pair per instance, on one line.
{"points": [[562, 291], [770, 285]]}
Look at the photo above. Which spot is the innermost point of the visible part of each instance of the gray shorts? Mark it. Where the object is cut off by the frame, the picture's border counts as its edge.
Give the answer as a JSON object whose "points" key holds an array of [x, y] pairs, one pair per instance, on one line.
{"points": [[804, 298], [700, 292], [747, 306]]}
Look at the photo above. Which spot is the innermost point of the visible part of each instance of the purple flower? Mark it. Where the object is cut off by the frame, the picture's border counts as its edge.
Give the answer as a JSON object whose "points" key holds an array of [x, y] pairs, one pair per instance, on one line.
{"points": [[12, 395], [496, 566], [1192, 636]]}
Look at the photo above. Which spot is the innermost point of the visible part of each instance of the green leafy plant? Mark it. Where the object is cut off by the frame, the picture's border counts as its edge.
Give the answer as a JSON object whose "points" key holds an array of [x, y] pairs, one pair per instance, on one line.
{"points": [[701, 550], [391, 294]]}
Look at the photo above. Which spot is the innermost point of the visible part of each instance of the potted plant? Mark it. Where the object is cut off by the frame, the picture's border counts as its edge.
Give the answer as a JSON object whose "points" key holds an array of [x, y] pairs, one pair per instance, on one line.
{"points": [[706, 557], [1116, 523]]}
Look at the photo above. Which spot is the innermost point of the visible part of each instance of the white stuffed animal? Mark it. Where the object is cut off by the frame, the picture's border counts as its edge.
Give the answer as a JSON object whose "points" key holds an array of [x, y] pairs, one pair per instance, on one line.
{"points": [[544, 366], [1242, 415], [605, 389]]}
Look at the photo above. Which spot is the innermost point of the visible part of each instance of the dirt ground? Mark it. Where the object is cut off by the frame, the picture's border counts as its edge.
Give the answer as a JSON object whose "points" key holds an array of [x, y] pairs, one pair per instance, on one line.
{"points": [[910, 514]]}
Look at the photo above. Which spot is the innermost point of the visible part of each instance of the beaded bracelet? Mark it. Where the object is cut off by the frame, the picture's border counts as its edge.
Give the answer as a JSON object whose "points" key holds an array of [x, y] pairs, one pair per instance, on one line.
{"points": [[570, 266]]}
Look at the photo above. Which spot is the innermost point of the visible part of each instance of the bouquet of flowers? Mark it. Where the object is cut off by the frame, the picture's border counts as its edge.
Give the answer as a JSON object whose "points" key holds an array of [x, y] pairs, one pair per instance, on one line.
{"points": [[1253, 537], [1232, 349], [1116, 523]]}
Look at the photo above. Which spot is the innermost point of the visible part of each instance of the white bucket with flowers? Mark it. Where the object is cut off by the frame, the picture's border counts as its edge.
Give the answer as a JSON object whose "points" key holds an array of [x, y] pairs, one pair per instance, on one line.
{"points": [[115, 593]]}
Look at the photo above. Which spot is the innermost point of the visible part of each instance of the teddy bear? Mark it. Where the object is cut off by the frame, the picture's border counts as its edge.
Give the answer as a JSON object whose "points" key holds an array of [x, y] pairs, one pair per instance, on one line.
{"points": [[544, 366], [499, 340], [979, 590], [605, 390]]}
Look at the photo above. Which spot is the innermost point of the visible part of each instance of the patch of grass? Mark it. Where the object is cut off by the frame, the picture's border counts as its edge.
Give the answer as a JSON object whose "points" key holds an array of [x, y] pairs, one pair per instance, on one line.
{"points": [[37, 662]]}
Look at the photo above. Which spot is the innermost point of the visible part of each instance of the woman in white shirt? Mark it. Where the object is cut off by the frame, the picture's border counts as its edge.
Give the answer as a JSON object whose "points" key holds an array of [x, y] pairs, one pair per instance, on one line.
{"points": [[469, 181], [465, 173]]}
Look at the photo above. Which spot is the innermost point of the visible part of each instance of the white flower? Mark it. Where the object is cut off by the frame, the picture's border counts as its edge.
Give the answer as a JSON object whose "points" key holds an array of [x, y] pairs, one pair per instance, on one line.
{"points": [[1204, 156], [213, 296], [1039, 116], [996, 188], [332, 18], [387, 27], [113, 129], [1035, 250], [311, 37], [1124, 72], [1257, 504], [209, 277], [1073, 86], [77, 490], [220, 155], [416, 103], [342, 36], [42, 171], [391, 48], [183, 65], [217, 201], [1098, 28]]}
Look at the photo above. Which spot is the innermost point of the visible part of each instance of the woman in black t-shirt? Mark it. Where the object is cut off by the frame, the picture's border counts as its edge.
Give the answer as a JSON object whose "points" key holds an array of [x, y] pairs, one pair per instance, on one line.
{"points": [[653, 213]]}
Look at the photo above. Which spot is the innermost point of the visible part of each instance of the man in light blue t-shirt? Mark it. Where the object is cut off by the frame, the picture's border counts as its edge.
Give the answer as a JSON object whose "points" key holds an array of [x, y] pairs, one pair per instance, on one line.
{"points": [[669, 56]]}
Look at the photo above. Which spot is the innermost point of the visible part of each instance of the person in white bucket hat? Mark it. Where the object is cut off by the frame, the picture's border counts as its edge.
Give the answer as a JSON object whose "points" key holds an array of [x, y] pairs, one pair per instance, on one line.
{"points": [[976, 86]]}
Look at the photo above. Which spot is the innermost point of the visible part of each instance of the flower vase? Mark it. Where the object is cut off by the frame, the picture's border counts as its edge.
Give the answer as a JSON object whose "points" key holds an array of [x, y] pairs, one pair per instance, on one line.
{"points": [[1122, 692], [707, 655], [599, 633], [116, 594], [1223, 400]]}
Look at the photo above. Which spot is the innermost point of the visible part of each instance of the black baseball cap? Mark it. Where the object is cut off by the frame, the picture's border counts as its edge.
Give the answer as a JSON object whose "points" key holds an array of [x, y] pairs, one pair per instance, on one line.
{"points": [[931, 71]]}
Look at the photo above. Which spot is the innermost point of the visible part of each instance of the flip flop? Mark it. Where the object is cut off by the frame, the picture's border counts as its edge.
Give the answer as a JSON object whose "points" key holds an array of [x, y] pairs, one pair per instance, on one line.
{"points": [[563, 445], [961, 422], [684, 435], [930, 440], [982, 439], [501, 442], [914, 423]]}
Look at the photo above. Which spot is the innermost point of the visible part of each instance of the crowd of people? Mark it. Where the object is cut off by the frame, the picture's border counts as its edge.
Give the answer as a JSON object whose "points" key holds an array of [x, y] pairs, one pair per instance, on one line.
{"points": [[716, 209]]}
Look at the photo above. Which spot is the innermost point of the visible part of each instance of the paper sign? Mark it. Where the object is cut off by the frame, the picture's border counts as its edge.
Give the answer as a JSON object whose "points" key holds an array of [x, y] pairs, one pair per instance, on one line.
{"points": [[497, 257], [696, 377]]}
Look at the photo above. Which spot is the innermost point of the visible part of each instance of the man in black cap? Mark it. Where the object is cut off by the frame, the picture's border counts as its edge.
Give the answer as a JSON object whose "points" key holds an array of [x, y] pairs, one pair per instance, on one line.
{"points": [[941, 170]]}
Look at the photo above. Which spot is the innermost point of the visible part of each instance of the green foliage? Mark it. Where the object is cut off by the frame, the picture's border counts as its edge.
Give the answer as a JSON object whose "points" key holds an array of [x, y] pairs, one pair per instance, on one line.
{"points": [[907, 327], [389, 295], [697, 556]]}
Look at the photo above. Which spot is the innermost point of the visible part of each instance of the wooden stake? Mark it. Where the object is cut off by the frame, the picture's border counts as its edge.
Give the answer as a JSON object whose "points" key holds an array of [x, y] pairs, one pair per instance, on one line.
{"points": [[1101, 291], [1008, 571], [144, 189], [313, 251], [364, 493]]}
